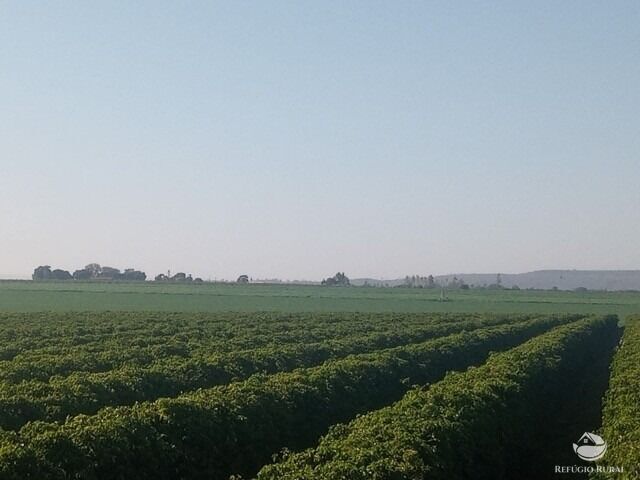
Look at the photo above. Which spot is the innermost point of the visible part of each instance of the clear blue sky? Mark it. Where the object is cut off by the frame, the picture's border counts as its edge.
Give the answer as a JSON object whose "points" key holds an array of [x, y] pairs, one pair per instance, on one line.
{"points": [[295, 139]]}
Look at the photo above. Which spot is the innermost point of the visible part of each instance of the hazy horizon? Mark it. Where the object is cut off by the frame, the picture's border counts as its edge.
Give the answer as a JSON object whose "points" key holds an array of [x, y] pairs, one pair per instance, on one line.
{"points": [[296, 139], [151, 275]]}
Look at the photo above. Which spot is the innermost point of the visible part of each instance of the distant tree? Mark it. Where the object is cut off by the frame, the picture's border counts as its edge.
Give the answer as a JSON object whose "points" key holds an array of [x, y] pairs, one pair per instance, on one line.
{"points": [[134, 275], [515, 287], [42, 272], [198, 280], [58, 274], [338, 280], [179, 277], [417, 281], [109, 273], [83, 274], [94, 270], [243, 279]]}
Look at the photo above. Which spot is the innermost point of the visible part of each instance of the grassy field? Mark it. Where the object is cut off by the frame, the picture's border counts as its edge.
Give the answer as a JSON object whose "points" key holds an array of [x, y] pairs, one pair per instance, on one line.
{"points": [[24, 296]]}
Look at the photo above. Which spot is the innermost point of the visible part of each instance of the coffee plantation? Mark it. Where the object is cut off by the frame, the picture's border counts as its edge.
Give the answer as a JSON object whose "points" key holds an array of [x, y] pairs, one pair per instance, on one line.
{"points": [[293, 396]]}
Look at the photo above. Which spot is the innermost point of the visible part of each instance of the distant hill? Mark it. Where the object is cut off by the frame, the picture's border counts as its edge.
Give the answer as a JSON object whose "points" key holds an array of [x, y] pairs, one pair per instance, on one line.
{"points": [[542, 279]]}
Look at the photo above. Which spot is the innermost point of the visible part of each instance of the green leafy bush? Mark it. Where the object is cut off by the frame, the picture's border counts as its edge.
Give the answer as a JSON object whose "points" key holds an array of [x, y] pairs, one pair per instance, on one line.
{"points": [[235, 428], [144, 369], [476, 424], [621, 411]]}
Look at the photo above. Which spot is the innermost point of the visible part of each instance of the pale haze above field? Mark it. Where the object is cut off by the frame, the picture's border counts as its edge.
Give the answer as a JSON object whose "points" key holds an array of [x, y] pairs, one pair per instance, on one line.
{"points": [[296, 139]]}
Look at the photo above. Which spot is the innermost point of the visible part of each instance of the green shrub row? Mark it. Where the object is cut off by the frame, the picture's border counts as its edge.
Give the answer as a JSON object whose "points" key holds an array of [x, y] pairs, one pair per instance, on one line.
{"points": [[236, 428], [29, 350], [86, 393], [621, 410], [478, 424]]}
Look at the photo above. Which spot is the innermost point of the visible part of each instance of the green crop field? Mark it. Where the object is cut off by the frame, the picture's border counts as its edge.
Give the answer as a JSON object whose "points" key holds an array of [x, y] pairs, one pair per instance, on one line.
{"points": [[275, 382], [310, 240], [71, 296]]}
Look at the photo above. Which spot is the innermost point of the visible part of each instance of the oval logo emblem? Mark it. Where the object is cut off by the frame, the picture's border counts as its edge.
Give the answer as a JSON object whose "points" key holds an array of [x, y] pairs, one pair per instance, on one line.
{"points": [[590, 447]]}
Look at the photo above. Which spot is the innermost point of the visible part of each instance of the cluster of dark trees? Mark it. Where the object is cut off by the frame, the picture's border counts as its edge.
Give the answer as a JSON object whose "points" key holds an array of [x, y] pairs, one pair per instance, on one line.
{"points": [[179, 277], [93, 271], [45, 273], [338, 280], [457, 283], [416, 281]]}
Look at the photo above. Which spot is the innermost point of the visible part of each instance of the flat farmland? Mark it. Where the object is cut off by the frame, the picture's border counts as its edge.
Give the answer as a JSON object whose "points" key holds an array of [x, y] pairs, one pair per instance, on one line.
{"points": [[278, 382], [326, 396], [24, 296]]}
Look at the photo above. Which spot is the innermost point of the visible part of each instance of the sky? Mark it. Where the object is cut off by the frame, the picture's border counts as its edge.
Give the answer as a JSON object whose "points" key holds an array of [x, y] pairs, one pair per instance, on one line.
{"points": [[297, 139]]}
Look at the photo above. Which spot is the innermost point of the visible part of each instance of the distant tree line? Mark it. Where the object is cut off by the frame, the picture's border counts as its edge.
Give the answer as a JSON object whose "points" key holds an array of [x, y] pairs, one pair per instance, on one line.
{"points": [[93, 271], [338, 280], [416, 281], [179, 277], [44, 272]]}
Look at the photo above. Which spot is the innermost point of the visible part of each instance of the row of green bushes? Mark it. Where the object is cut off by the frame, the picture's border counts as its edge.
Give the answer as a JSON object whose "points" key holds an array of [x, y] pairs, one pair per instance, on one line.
{"points": [[27, 336], [53, 340], [171, 375], [621, 410], [480, 424], [236, 428]]}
